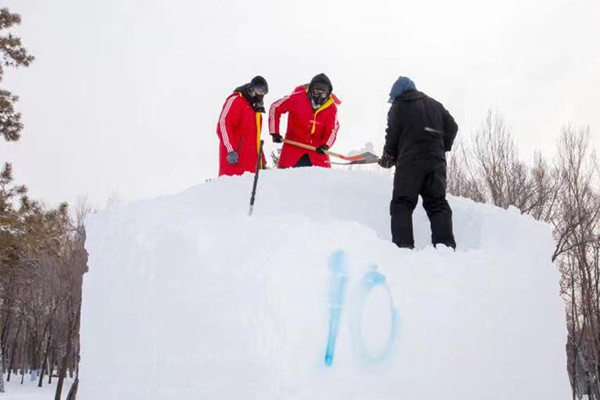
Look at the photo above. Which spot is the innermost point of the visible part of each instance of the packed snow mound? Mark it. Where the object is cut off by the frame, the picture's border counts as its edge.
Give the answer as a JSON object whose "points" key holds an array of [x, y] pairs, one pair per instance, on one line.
{"points": [[189, 298]]}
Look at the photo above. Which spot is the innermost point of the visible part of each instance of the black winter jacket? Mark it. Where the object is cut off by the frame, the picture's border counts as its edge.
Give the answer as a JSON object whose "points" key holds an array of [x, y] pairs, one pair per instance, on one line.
{"points": [[419, 127]]}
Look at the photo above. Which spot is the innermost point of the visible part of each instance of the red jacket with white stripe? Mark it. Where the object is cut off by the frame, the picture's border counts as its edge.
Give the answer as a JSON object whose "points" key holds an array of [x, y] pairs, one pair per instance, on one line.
{"points": [[239, 130], [305, 125]]}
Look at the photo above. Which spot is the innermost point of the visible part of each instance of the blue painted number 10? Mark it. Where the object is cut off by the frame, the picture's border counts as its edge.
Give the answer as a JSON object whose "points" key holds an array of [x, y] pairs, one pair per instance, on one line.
{"points": [[337, 294]]}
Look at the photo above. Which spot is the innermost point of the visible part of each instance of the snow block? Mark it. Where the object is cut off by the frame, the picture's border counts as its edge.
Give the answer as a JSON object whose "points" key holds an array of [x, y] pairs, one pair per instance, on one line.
{"points": [[188, 298]]}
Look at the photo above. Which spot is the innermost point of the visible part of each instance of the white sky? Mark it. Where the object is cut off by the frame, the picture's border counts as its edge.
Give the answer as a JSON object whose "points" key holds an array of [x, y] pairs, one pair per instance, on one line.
{"points": [[124, 95]]}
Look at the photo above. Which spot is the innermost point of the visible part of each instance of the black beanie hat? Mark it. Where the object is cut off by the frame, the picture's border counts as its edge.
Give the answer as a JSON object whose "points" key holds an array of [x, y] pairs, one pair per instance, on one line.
{"points": [[322, 78], [259, 82]]}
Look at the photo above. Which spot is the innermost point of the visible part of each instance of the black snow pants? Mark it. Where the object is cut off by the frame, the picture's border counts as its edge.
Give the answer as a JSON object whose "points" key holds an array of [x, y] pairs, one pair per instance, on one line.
{"points": [[426, 178], [304, 161]]}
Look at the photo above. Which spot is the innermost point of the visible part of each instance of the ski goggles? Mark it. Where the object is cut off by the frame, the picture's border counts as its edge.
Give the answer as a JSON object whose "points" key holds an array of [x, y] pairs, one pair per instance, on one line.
{"points": [[258, 90], [319, 88]]}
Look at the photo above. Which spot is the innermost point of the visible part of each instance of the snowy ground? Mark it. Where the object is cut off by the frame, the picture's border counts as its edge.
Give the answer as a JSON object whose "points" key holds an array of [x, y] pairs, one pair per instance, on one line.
{"points": [[30, 391], [308, 299]]}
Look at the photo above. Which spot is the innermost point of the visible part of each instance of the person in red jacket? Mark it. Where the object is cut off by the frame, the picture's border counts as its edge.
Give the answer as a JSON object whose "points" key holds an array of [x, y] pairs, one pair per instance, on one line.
{"points": [[239, 128], [312, 120]]}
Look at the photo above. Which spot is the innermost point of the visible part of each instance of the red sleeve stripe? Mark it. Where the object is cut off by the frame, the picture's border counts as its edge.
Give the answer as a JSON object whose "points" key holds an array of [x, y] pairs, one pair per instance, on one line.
{"points": [[223, 124]]}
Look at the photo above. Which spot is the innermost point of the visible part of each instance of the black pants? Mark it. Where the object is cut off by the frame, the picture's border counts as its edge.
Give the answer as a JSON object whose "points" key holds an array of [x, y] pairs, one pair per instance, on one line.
{"points": [[304, 161], [428, 179]]}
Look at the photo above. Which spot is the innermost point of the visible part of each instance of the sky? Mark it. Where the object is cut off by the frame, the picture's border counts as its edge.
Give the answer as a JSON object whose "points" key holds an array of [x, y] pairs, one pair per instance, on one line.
{"points": [[124, 95]]}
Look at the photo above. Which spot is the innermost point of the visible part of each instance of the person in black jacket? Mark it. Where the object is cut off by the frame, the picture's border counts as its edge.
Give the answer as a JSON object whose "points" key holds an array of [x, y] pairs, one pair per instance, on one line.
{"points": [[420, 131]]}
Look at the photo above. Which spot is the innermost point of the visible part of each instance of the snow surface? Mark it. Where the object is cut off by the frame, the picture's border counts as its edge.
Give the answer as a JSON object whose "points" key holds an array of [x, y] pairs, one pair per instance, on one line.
{"points": [[189, 298], [30, 391]]}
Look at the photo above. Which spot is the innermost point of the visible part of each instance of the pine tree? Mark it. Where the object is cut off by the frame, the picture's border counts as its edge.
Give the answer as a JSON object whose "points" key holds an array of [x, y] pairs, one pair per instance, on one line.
{"points": [[13, 55]]}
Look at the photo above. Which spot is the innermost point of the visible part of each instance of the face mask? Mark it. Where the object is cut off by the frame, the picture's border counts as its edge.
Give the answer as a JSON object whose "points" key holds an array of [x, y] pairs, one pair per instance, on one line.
{"points": [[318, 96], [258, 99], [255, 96]]}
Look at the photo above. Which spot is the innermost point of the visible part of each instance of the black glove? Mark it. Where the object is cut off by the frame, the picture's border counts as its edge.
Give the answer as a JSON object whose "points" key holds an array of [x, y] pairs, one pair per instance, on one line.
{"points": [[387, 161], [233, 158], [322, 149], [276, 138]]}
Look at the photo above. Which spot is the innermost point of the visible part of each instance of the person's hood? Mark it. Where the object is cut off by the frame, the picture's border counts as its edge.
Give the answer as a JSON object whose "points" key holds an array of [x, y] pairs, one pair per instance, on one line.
{"points": [[402, 84], [257, 103], [259, 81], [241, 89], [324, 79]]}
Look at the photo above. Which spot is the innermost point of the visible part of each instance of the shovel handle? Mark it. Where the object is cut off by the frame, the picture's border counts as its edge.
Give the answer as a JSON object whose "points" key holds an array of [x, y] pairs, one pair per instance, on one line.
{"points": [[313, 148]]}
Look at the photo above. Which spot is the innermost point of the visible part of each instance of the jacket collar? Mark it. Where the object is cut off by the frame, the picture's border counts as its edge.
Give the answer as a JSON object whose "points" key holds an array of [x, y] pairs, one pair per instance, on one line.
{"points": [[411, 95]]}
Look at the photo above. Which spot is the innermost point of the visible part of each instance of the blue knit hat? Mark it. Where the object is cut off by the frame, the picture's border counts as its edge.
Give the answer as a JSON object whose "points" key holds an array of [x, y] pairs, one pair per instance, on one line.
{"points": [[402, 84]]}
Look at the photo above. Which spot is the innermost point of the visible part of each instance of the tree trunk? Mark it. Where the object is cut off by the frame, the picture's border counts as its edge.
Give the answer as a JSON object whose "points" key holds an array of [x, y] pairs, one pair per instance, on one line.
{"points": [[73, 392], [1, 361], [13, 353], [4, 337], [62, 372], [23, 370], [45, 361], [51, 368], [65, 360], [35, 353], [574, 339], [23, 356], [1, 373]]}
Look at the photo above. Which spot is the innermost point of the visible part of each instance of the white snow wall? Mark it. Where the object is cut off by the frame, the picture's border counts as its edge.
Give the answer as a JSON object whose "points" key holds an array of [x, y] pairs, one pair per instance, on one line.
{"points": [[189, 298]]}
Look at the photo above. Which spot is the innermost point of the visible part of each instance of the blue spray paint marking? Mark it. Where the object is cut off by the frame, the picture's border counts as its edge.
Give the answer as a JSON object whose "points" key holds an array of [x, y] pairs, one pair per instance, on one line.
{"points": [[337, 292], [370, 280]]}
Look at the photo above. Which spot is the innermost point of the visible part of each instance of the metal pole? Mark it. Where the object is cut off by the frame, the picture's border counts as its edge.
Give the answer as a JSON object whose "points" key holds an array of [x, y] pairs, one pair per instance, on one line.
{"points": [[256, 177]]}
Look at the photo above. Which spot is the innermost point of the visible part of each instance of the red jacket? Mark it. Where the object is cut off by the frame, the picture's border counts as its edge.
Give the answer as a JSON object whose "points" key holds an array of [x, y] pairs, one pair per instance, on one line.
{"points": [[239, 130], [305, 125]]}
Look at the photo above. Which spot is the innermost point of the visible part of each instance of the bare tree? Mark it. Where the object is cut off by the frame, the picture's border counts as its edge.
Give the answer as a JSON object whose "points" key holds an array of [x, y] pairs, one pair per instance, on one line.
{"points": [[497, 165], [76, 257], [487, 168], [462, 176], [577, 234]]}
